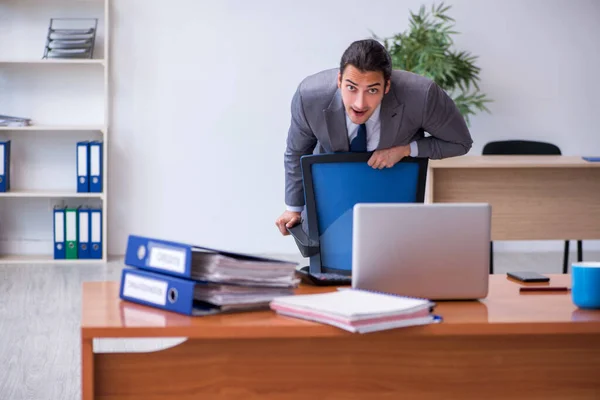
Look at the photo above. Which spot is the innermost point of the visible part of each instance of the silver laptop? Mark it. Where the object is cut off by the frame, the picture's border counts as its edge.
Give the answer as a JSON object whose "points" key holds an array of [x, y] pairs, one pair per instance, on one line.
{"points": [[439, 251]]}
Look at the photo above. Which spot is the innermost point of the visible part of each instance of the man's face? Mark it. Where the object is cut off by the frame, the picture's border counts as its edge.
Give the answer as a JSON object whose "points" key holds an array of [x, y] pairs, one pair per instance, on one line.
{"points": [[362, 92]]}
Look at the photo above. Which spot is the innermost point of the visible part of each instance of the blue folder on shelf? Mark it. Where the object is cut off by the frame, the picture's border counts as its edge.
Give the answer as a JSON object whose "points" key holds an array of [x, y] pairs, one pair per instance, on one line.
{"points": [[163, 291], [83, 167], [59, 233], [5, 166], [95, 233], [96, 151], [592, 159], [84, 233]]}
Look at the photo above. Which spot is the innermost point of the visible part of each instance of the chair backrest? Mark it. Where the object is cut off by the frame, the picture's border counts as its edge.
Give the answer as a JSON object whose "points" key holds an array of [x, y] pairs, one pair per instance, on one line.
{"points": [[520, 147], [334, 183]]}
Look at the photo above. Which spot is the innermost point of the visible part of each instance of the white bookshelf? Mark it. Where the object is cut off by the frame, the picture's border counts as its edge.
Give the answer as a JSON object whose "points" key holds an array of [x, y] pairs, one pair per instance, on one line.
{"points": [[68, 101], [54, 61], [62, 128], [40, 259], [50, 194]]}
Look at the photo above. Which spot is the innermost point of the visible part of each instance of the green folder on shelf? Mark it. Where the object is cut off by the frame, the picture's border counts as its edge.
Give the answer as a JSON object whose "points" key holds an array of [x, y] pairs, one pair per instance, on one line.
{"points": [[71, 229]]}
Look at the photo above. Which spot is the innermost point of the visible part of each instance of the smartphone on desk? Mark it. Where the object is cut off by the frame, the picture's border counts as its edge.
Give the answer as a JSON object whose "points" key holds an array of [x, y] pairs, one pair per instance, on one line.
{"points": [[528, 276]]}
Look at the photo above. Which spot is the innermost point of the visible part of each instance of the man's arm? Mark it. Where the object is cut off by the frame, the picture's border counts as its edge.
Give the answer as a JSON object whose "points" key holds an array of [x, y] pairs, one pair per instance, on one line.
{"points": [[450, 135], [300, 141]]}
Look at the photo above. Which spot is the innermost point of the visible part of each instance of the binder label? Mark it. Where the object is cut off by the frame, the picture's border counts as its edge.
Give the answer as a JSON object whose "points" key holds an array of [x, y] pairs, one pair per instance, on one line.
{"points": [[59, 227], [82, 161], [2, 159], [84, 227], [96, 231], [147, 289], [71, 226], [95, 160], [166, 258]]}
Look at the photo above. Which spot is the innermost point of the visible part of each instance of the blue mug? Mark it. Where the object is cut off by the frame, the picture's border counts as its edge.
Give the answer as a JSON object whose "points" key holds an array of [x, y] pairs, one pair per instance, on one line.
{"points": [[585, 284]]}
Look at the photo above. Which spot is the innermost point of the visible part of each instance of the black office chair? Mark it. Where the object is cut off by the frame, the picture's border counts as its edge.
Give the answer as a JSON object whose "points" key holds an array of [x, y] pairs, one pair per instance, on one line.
{"points": [[527, 147]]}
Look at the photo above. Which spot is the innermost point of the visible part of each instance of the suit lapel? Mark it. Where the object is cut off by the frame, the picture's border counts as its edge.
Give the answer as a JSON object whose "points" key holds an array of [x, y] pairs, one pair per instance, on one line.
{"points": [[335, 118], [390, 117]]}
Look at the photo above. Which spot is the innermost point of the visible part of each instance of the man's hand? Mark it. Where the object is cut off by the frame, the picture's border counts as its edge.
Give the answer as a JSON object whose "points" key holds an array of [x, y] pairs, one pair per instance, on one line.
{"points": [[387, 158], [287, 220]]}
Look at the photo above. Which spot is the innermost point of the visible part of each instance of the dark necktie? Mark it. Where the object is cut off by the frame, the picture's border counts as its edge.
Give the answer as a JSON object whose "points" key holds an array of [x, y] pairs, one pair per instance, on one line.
{"points": [[359, 143]]}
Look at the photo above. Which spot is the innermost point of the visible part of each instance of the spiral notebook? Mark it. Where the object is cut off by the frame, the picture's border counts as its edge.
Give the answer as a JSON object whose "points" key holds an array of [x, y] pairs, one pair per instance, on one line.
{"points": [[357, 310]]}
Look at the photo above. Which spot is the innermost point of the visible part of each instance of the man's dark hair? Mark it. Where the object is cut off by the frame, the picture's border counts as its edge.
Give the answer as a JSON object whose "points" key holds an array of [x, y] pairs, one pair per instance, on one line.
{"points": [[367, 55]]}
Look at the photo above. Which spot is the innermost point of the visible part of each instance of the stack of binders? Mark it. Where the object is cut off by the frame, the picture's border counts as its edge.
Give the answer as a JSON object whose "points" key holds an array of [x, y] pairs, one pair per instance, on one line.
{"points": [[5, 166], [77, 233], [89, 166], [194, 280]]}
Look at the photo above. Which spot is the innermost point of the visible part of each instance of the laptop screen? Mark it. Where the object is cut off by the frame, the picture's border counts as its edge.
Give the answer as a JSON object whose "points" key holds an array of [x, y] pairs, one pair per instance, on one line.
{"points": [[339, 186]]}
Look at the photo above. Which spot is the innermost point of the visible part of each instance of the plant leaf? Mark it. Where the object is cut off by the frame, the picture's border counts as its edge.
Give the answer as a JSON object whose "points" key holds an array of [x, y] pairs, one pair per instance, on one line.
{"points": [[426, 48]]}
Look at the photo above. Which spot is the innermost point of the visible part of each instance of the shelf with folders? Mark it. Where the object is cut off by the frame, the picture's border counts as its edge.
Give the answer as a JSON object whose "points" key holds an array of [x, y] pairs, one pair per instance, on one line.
{"points": [[33, 259], [52, 176], [55, 61], [30, 229], [53, 128], [54, 95], [84, 175], [77, 233]]}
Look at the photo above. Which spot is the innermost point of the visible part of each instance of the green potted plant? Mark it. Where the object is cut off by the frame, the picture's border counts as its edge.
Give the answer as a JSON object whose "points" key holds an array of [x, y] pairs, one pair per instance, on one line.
{"points": [[427, 49]]}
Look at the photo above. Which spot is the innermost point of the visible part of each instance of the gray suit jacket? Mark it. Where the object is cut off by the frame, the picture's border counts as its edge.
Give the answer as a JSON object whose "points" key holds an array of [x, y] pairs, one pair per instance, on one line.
{"points": [[413, 105]]}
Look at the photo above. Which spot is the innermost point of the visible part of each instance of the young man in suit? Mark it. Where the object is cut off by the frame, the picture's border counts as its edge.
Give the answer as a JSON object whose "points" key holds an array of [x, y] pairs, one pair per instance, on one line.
{"points": [[364, 105]]}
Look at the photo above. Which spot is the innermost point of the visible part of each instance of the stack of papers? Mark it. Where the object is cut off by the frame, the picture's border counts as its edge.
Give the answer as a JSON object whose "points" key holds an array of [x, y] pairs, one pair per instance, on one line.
{"points": [[238, 269], [232, 295], [356, 310]]}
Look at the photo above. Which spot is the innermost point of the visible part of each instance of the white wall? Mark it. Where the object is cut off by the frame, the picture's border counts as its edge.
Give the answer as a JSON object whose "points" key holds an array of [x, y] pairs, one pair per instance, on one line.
{"points": [[201, 93]]}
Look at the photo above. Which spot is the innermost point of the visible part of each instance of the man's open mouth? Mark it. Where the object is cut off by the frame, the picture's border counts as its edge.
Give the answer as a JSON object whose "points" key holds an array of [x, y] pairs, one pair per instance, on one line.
{"points": [[359, 113]]}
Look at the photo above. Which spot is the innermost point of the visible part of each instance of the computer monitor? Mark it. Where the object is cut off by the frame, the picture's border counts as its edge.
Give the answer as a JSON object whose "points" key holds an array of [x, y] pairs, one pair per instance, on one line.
{"points": [[333, 184]]}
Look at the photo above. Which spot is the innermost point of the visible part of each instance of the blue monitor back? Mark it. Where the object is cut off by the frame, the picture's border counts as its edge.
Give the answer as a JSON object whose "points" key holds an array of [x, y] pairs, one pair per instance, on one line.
{"points": [[339, 181]]}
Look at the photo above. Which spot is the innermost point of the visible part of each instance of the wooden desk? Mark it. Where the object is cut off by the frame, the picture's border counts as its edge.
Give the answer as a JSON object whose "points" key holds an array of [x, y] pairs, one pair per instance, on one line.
{"points": [[532, 197], [510, 345]]}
